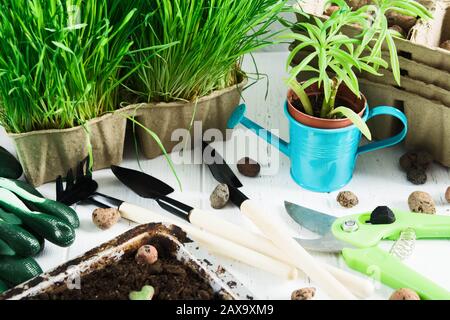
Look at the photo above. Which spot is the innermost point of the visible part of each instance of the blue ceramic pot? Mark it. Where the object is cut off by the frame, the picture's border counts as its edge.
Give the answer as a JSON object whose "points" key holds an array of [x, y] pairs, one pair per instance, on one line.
{"points": [[322, 160]]}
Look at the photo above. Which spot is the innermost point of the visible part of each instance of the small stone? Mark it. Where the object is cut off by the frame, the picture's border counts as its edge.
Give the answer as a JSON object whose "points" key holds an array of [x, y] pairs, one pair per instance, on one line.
{"points": [[397, 28], [303, 294], [447, 195], [416, 160], [146, 293], [105, 218], [220, 196], [408, 161], [417, 176], [421, 202], [357, 4], [248, 167], [146, 255], [382, 215], [405, 22], [445, 45], [404, 294], [424, 159], [347, 199], [331, 9]]}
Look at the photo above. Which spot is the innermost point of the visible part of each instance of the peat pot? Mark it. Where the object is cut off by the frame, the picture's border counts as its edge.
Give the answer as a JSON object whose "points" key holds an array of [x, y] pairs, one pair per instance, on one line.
{"points": [[164, 119], [46, 154], [323, 152]]}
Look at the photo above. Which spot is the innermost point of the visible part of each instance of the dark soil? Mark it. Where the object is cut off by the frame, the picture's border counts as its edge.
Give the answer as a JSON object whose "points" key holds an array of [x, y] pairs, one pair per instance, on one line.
{"points": [[317, 102], [171, 279]]}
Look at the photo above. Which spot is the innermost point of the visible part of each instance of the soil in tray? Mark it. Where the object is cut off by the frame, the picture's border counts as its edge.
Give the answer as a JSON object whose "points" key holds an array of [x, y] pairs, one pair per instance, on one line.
{"points": [[171, 279], [317, 102]]}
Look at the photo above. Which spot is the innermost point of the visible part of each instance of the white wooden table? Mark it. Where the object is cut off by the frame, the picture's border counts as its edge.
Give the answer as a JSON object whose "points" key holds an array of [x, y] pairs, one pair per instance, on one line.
{"points": [[377, 181]]}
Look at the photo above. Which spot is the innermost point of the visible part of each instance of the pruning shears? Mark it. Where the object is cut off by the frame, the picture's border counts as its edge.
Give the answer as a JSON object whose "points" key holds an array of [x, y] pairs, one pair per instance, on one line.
{"points": [[357, 239]]}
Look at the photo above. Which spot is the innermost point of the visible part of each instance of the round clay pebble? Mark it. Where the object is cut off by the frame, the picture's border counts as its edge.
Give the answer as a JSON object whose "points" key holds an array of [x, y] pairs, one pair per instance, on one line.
{"points": [[248, 167], [347, 199], [424, 159], [146, 254], [417, 176], [445, 45], [105, 218], [404, 294], [421, 202], [356, 4], [408, 161], [331, 9], [447, 195], [406, 22], [303, 294], [220, 196]]}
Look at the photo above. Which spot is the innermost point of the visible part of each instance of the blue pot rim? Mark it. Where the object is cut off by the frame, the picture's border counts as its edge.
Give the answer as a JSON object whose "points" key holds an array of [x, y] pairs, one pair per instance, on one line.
{"points": [[325, 131]]}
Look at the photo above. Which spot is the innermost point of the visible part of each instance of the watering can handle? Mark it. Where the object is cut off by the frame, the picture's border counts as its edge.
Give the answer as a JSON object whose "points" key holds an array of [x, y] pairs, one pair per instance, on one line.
{"points": [[384, 110], [238, 117]]}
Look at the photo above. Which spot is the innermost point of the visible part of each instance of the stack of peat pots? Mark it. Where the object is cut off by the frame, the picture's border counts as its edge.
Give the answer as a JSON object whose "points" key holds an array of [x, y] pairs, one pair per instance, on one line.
{"points": [[424, 93]]}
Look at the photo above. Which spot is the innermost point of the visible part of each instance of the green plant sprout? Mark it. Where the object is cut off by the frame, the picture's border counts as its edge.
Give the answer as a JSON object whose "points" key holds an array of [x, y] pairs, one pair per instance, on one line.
{"points": [[212, 37], [332, 57], [62, 61]]}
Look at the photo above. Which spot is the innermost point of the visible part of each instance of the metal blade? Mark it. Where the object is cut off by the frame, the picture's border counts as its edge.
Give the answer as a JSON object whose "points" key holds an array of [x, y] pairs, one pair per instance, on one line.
{"points": [[218, 167], [315, 221], [328, 243], [141, 183]]}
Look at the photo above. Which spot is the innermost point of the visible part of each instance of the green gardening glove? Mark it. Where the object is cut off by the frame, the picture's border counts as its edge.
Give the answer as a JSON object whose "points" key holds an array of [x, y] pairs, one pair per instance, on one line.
{"points": [[15, 270], [18, 239], [36, 202], [3, 287], [52, 228]]}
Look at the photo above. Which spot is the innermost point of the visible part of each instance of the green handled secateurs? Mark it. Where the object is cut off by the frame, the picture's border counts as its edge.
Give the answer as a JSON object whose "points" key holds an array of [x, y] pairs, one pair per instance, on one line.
{"points": [[357, 236]]}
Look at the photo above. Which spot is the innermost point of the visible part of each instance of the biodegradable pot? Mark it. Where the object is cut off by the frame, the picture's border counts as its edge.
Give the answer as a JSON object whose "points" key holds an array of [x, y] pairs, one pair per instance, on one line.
{"points": [[323, 160], [46, 154], [164, 118]]}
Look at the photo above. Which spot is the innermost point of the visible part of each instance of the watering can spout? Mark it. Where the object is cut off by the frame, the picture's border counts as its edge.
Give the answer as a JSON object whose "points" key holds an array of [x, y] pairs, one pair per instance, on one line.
{"points": [[238, 117]]}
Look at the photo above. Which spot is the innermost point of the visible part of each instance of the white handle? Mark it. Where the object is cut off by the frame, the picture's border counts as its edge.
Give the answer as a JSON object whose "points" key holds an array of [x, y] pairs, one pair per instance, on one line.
{"points": [[225, 247], [295, 252], [141, 215], [361, 287], [252, 258], [220, 227]]}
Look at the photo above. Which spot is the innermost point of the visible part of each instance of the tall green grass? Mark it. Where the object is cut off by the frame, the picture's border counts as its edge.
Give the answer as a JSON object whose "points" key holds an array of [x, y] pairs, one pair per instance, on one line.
{"points": [[212, 37], [61, 61]]}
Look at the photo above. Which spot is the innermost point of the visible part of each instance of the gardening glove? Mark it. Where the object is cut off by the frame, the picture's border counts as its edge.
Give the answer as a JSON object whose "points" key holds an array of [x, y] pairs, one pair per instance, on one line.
{"points": [[34, 200], [22, 242], [15, 270], [51, 227], [3, 287], [9, 166]]}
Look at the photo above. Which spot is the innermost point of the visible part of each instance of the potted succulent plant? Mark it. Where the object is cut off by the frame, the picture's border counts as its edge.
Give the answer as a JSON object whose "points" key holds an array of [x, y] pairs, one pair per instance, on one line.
{"points": [[61, 65], [199, 78], [327, 113]]}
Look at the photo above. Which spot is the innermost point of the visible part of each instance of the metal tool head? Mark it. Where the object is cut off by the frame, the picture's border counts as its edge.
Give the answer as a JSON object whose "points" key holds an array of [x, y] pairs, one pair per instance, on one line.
{"points": [[218, 167], [79, 187], [319, 223], [315, 221], [141, 183]]}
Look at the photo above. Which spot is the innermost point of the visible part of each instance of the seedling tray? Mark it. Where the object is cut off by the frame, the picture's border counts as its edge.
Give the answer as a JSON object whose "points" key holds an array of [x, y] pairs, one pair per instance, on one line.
{"points": [[171, 242]]}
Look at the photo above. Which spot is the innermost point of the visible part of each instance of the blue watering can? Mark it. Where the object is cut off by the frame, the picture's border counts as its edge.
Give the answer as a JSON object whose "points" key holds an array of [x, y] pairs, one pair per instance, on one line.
{"points": [[322, 160]]}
